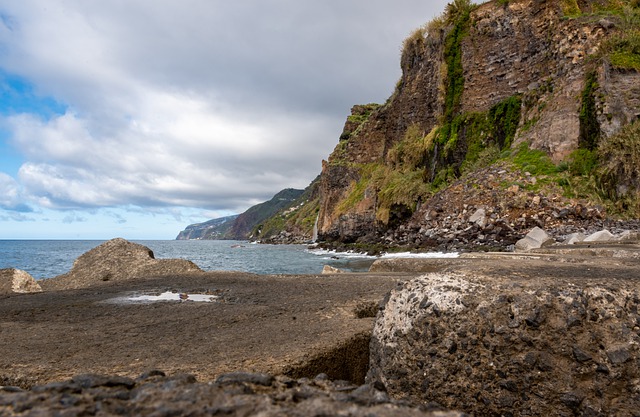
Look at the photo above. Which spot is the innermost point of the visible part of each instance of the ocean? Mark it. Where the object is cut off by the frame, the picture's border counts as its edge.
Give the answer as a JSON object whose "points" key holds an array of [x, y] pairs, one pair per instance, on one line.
{"points": [[49, 258]]}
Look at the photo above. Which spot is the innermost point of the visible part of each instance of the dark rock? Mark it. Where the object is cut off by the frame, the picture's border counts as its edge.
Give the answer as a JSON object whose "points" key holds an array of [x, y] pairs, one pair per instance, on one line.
{"points": [[93, 380], [245, 377], [11, 389], [150, 374], [581, 355], [181, 396], [571, 400], [619, 356]]}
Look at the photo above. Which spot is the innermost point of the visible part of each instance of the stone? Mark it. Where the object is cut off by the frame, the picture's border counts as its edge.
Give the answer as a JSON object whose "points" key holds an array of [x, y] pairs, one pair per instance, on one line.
{"points": [[580, 355], [117, 260], [619, 356], [526, 244], [328, 270], [17, 281], [601, 236], [629, 237], [535, 239], [247, 394], [574, 238], [245, 377], [95, 380], [479, 217], [461, 351]]}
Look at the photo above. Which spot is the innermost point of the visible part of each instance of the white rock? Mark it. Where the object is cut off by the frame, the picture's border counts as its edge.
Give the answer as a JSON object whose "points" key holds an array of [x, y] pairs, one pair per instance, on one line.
{"points": [[574, 238], [535, 239], [526, 244], [601, 236], [479, 217], [629, 236]]}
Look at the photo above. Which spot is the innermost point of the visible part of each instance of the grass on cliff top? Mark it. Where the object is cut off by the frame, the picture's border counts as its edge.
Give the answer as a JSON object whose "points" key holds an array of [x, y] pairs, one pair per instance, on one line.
{"points": [[624, 50]]}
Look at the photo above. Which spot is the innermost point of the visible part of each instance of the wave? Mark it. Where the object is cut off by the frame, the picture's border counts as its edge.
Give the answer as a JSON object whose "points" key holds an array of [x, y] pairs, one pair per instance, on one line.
{"points": [[331, 254]]}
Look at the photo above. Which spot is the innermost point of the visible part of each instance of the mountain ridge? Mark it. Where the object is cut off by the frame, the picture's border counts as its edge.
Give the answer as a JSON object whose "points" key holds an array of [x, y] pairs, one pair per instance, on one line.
{"points": [[240, 226]]}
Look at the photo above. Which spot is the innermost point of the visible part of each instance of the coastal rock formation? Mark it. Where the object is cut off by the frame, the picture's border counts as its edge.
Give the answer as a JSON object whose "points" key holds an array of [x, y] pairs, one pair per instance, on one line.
{"points": [[117, 260], [209, 230], [531, 339], [17, 281], [502, 77]]}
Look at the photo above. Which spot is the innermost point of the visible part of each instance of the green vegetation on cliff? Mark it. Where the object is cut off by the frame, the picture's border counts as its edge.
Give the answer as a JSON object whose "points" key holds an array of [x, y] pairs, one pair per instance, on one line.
{"points": [[298, 217], [459, 16], [392, 159], [589, 126], [623, 49]]}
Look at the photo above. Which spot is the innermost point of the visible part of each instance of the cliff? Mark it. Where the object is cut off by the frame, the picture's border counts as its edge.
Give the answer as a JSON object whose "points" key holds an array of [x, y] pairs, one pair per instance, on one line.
{"points": [[241, 227], [296, 222], [513, 107], [209, 230]]}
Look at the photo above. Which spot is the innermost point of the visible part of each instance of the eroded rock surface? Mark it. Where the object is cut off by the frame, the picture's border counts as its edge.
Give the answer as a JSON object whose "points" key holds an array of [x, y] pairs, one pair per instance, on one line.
{"points": [[117, 260], [522, 337], [237, 394], [17, 281]]}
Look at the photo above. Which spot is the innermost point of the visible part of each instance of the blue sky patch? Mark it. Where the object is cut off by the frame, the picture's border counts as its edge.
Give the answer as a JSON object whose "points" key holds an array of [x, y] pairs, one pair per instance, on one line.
{"points": [[17, 96]]}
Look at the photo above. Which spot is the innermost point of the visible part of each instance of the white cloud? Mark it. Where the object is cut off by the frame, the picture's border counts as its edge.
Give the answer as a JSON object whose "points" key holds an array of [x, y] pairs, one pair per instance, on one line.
{"points": [[198, 103], [10, 195]]}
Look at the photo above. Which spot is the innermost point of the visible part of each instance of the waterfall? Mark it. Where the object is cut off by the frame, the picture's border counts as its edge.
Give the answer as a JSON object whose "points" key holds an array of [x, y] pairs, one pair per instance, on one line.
{"points": [[314, 237]]}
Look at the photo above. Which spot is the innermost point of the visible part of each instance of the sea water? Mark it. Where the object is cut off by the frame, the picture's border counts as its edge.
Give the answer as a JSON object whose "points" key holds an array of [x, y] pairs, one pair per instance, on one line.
{"points": [[49, 258]]}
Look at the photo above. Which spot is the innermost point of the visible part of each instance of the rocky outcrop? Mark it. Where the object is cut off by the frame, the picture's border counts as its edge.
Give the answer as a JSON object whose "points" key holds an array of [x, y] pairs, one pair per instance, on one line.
{"points": [[17, 281], [523, 58], [523, 338], [117, 260]]}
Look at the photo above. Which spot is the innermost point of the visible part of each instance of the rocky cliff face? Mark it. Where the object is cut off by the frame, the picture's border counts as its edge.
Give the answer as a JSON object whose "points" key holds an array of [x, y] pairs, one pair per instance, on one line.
{"points": [[492, 77]]}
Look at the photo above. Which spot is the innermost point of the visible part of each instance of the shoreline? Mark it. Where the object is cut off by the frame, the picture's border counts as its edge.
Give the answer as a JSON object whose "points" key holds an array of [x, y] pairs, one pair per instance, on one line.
{"points": [[303, 326]]}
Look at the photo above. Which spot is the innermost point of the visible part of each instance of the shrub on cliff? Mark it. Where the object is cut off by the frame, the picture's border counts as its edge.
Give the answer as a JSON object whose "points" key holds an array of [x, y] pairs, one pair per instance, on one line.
{"points": [[623, 49], [620, 156]]}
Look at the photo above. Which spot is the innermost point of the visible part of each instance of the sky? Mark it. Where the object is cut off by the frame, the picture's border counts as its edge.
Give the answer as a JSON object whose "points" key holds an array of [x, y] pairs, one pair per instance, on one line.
{"points": [[136, 118]]}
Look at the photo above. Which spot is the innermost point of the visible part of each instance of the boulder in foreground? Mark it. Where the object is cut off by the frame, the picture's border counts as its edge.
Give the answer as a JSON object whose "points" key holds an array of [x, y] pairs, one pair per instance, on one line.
{"points": [[117, 260], [555, 341], [17, 281]]}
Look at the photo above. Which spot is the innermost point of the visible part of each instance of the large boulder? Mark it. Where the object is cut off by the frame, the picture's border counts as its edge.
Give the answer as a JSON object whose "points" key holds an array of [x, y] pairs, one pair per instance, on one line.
{"points": [[117, 260], [17, 281], [516, 341]]}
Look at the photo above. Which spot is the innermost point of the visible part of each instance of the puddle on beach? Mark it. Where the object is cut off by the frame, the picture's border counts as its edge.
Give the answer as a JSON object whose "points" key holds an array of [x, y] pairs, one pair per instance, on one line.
{"points": [[166, 296]]}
